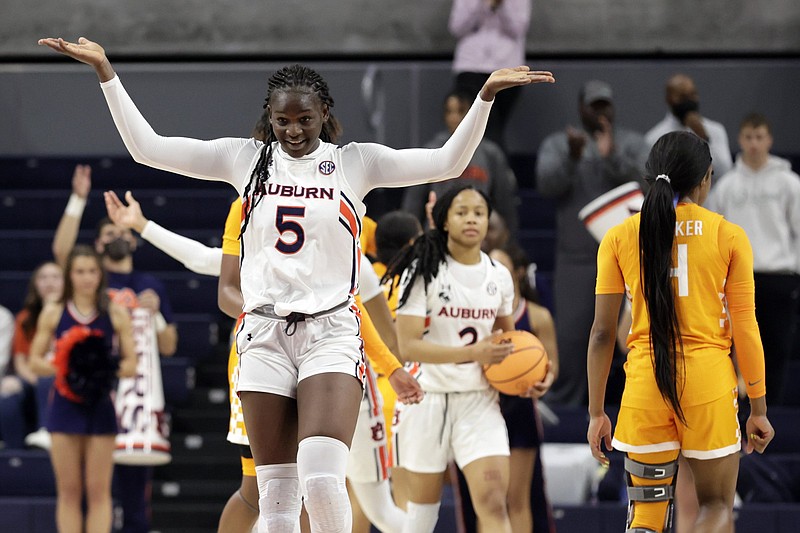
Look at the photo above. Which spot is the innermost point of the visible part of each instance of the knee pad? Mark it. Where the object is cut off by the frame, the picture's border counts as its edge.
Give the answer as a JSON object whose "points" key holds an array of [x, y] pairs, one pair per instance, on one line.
{"points": [[421, 517], [279, 498], [643, 488], [321, 464]]}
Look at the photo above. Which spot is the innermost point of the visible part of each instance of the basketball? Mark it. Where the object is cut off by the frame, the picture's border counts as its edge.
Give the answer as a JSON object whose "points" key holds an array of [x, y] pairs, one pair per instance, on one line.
{"points": [[523, 367]]}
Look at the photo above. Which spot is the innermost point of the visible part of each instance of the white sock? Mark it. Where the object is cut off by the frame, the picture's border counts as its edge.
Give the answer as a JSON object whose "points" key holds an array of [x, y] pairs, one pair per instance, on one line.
{"points": [[321, 465], [421, 517], [278, 498], [378, 505]]}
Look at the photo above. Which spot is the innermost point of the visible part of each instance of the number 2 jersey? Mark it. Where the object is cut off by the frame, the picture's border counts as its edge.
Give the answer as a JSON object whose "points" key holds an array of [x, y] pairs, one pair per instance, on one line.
{"points": [[712, 273], [300, 251], [460, 308]]}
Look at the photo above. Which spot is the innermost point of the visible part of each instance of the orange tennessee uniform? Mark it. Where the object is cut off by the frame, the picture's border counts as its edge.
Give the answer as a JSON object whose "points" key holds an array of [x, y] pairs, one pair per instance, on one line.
{"points": [[712, 274]]}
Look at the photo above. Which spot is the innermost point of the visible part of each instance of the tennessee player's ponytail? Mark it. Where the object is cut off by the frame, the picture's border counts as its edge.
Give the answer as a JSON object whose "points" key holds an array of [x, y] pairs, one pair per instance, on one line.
{"points": [[429, 250], [677, 164]]}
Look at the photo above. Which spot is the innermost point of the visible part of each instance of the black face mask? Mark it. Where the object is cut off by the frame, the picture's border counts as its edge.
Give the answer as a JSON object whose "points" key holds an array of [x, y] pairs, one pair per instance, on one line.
{"points": [[683, 108], [117, 250]]}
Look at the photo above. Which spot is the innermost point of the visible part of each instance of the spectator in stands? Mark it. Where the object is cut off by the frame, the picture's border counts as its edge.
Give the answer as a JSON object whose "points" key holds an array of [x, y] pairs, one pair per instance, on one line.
{"points": [[491, 34], [6, 335], [762, 195], [130, 288], [674, 262], [575, 167], [23, 395], [93, 346], [488, 169], [683, 101], [9, 385]]}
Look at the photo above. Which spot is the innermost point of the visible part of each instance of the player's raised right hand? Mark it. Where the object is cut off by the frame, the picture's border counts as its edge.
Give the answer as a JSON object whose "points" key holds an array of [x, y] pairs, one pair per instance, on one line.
{"points": [[85, 51]]}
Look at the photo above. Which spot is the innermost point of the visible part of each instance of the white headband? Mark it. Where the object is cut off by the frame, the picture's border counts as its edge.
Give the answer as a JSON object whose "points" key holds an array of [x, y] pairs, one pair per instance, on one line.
{"points": [[663, 177]]}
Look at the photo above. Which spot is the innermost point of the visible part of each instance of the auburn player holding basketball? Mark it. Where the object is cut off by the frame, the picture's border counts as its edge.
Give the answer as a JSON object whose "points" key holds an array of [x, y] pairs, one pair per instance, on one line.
{"points": [[301, 359], [453, 301], [688, 274]]}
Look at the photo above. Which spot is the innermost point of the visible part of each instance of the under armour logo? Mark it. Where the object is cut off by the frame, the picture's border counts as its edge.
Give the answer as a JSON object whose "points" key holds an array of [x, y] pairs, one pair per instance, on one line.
{"points": [[249, 336]]}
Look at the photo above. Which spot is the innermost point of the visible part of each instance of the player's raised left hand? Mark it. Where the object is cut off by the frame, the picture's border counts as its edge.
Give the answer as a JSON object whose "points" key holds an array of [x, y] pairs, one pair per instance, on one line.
{"points": [[513, 77]]}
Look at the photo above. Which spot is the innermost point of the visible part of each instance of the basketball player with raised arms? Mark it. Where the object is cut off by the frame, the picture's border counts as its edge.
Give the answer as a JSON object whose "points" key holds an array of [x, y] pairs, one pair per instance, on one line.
{"points": [[688, 274], [301, 360], [368, 467], [454, 302]]}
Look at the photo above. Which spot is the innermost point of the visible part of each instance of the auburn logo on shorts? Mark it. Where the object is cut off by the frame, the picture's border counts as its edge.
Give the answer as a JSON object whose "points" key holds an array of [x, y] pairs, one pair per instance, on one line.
{"points": [[378, 433], [327, 167]]}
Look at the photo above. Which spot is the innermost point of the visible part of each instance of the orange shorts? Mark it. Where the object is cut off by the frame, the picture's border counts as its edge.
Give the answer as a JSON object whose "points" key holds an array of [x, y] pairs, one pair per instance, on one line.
{"points": [[711, 431]]}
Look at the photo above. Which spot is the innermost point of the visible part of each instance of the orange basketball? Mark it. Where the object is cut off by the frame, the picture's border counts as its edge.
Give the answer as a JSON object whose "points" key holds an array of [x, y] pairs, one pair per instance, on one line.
{"points": [[523, 367]]}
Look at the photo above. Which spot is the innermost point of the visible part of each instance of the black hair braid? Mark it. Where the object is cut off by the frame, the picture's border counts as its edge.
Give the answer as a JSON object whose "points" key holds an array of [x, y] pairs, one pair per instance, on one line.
{"points": [[292, 77], [422, 258]]}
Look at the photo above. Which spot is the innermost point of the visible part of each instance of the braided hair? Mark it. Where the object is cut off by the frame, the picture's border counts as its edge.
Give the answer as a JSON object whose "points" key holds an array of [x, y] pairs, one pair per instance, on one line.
{"points": [[290, 78], [429, 250], [677, 164]]}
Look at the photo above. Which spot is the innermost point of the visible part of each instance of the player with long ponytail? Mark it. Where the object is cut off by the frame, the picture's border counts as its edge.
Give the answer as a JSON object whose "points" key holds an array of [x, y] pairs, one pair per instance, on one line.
{"points": [[688, 275]]}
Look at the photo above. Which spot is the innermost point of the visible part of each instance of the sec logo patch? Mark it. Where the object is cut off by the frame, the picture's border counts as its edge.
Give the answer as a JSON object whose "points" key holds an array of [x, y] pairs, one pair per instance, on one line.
{"points": [[327, 167]]}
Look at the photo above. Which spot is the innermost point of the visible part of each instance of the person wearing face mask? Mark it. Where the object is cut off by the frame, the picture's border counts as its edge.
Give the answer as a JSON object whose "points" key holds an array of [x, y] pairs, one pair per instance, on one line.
{"points": [[574, 167], [683, 101], [131, 289]]}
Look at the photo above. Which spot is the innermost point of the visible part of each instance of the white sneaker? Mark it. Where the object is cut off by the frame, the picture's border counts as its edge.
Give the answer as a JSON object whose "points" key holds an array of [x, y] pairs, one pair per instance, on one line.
{"points": [[39, 438]]}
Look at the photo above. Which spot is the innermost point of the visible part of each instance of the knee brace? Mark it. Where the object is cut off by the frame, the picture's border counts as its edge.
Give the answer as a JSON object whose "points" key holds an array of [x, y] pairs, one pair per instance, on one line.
{"points": [[278, 498], [321, 465], [656, 500]]}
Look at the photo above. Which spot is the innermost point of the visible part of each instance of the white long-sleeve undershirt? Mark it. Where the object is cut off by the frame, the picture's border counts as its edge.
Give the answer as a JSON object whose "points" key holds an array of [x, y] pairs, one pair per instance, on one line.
{"points": [[368, 165], [195, 256]]}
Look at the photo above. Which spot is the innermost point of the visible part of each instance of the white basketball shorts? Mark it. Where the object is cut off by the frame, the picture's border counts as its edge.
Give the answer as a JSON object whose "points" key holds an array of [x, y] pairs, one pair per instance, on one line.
{"points": [[273, 361], [445, 426]]}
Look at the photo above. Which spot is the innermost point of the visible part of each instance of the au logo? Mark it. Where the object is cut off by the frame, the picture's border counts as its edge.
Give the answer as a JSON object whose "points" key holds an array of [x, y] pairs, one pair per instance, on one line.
{"points": [[327, 167]]}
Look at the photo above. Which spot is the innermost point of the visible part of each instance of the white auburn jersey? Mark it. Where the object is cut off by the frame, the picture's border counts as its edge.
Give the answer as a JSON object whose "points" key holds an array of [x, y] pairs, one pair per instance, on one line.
{"points": [[298, 261], [300, 251], [460, 308]]}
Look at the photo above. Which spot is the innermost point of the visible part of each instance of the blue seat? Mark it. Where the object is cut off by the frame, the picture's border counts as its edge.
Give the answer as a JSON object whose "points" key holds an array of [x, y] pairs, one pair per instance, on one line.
{"points": [[28, 515], [524, 167], [189, 292], [26, 473], [198, 334], [536, 212], [117, 173], [171, 208], [540, 246], [177, 376]]}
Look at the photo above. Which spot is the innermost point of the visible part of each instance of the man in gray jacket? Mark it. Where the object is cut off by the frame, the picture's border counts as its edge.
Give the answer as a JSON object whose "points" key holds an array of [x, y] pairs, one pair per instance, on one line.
{"points": [[574, 167]]}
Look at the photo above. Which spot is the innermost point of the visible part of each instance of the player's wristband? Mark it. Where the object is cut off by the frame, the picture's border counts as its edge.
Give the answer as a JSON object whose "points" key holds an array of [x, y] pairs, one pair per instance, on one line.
{"points": [[161, 322], [75, 206]]}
